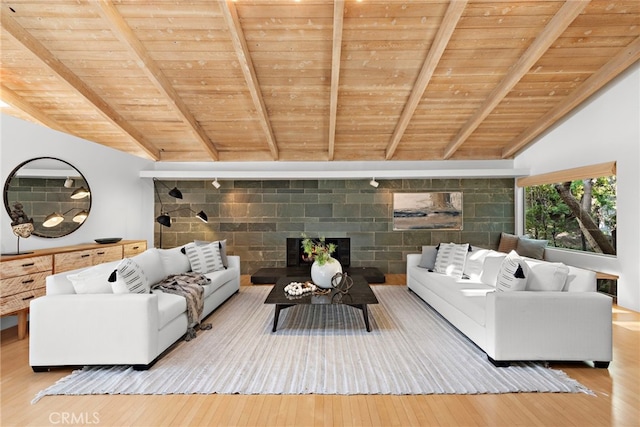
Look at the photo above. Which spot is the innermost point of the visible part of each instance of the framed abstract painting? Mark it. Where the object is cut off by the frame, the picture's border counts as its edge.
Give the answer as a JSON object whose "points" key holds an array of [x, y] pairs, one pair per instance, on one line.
{"points": [[427, 211]]}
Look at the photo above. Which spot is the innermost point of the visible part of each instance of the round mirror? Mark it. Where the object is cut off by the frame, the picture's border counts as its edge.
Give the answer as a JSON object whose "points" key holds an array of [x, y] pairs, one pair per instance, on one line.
{"points": [[50, 192]]}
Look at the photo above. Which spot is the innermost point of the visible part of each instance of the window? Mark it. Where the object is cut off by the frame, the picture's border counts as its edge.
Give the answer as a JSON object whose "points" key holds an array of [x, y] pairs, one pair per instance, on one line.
{"points": [[573, 211]]}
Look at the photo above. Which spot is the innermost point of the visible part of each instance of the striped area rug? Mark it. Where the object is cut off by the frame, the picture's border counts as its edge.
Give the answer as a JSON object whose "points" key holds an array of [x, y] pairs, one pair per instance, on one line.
{"points": [[321, 350]]}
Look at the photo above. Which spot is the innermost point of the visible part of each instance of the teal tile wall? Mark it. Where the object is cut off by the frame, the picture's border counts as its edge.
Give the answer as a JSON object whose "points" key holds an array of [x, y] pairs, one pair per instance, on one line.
{"points": [[257, 216]]}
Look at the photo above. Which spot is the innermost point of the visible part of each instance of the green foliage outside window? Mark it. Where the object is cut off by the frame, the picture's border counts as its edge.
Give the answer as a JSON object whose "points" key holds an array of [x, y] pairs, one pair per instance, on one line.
{"points": [[578, 215]]}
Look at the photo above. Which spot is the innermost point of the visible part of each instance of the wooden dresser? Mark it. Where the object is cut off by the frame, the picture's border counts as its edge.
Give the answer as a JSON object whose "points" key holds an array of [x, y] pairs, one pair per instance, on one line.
{"points": [[22, 277]]}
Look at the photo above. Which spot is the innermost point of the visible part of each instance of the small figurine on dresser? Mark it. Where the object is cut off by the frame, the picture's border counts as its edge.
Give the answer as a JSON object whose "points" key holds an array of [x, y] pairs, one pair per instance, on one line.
{"points": [[21, 224]]}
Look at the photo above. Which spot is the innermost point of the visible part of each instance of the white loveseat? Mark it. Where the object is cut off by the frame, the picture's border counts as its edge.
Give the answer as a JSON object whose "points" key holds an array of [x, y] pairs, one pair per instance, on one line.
{"points": [[573, 323], [85, 323]]}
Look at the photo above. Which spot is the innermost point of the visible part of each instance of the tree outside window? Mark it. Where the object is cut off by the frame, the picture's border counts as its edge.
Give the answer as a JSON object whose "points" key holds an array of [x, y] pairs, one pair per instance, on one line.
{"points": [[579, 215]]}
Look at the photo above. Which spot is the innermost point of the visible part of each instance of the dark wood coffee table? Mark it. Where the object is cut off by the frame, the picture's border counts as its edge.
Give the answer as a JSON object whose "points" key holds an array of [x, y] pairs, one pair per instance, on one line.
{"points": [[359, 296]]}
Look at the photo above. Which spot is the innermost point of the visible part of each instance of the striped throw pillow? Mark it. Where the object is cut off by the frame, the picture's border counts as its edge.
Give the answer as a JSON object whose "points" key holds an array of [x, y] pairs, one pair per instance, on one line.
{"points": [[204, 258], [133, 277], [451, 258]]}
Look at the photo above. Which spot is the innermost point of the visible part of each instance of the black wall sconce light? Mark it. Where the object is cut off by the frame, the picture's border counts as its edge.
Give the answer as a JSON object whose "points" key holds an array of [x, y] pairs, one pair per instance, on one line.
{"points": [[164, 219]]}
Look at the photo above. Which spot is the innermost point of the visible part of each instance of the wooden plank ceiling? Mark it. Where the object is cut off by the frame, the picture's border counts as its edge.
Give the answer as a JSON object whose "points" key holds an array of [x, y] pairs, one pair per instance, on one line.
{"points": [[312, 80]]}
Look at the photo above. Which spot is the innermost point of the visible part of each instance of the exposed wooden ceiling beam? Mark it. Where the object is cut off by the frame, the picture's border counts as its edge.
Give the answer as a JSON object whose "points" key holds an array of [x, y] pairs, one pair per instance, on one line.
{"points": [[558, 24], [627, 57], [124, 33], [61, 70], [230, 14], [17, 102], [448, 25], [336, 53]]}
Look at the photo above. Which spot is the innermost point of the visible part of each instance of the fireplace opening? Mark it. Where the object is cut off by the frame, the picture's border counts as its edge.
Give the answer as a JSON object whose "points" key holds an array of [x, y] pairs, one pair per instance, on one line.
{"points": [[296, 256]]}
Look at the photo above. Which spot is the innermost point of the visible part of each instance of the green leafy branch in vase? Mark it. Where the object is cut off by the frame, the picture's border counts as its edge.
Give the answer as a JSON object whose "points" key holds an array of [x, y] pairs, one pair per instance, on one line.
{"points": [[318, 249]]}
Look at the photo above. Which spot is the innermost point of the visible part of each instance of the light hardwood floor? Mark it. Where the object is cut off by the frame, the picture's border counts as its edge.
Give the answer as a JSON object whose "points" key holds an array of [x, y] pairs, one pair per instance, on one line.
{"points": [[616, 403]]}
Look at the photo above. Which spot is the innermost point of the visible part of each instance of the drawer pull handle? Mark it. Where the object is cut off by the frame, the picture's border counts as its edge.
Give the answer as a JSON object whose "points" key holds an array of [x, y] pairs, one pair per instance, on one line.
{"points": [[136, 247], [28, 264], [100, 253], [27, 298], [84, 256], [24, 282]]}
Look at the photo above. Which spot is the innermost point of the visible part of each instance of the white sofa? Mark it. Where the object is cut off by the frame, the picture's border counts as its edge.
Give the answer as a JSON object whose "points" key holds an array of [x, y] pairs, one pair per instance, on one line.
{"points": [[70, 328], [572, 324]]}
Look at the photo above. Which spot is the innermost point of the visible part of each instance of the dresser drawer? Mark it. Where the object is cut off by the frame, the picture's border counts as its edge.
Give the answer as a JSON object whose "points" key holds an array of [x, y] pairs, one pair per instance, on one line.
{"points": [[72, 260], [19, 301], [131, 249], [28, 282], [20, 267], [111, 253]]}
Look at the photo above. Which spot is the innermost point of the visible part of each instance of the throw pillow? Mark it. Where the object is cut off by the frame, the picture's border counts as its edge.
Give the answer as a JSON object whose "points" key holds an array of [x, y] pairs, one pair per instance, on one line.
{"points": [[428, 259], [174, 261], [513, 274], [451, 258], [474, 263], [92, 280], [531, 248], [547, 276], [491, 268], [204, 258], [130, 274], [223, 249], [508, 243], [151, 264]]}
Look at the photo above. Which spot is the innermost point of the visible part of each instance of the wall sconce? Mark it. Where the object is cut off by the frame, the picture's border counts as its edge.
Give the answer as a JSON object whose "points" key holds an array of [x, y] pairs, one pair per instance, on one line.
{"points": [[56, 218], [80, 193], [68, 183], [215, 183], [165, 220], [374, 183], [174, 192]]}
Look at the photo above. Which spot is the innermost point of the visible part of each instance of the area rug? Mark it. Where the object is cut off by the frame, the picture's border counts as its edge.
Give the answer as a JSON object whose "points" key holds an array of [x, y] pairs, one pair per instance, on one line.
{"points": [[321, 350]]}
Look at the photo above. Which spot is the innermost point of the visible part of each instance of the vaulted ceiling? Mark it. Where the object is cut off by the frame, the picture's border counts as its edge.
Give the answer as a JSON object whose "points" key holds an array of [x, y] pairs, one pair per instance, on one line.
{"points": [[313, 80]]}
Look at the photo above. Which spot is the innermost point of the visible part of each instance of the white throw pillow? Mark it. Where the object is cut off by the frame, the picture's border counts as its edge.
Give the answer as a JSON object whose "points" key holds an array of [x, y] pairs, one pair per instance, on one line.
{"points": [[475, 262], [513, 274], [151, 264], [174, 261], [204, 258], [547, 276], [93, 280], [132, 277], [451, 259], [491, 267]]}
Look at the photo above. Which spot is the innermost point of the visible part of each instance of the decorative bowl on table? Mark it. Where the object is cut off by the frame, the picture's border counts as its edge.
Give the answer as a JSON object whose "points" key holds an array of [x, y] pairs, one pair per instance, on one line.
{"points": [[106, 240]]}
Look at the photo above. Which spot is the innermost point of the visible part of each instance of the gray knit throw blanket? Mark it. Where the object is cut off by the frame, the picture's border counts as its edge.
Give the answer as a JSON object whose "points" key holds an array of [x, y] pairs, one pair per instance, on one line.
{"points": [[189, 286]]}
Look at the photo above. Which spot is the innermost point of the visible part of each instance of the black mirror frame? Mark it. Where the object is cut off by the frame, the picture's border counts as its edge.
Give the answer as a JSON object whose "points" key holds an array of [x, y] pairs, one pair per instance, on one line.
{"points": [[17, 168]]}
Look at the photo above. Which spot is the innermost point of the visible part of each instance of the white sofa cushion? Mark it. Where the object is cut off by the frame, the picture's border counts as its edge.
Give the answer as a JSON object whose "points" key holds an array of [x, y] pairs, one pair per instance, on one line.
{"points": [[93, 280], [451, 258], [151, 264], [131, 278], [513, 274], [170, 306], [546, 276], [204, 258], [174, 261]]}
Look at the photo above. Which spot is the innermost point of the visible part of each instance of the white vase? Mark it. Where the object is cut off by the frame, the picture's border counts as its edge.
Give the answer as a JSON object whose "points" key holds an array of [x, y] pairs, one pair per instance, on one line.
{"points": [[321, 275]]}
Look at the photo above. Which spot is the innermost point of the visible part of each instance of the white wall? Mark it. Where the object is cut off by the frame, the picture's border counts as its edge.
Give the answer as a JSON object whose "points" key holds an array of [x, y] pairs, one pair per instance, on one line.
{"points": [[606, 128], [119, 197]]}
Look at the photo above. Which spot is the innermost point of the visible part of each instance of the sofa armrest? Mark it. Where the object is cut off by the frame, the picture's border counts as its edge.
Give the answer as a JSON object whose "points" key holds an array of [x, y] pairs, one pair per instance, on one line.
{"points": [[93, 329], [234, 261], [549, 326]]}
